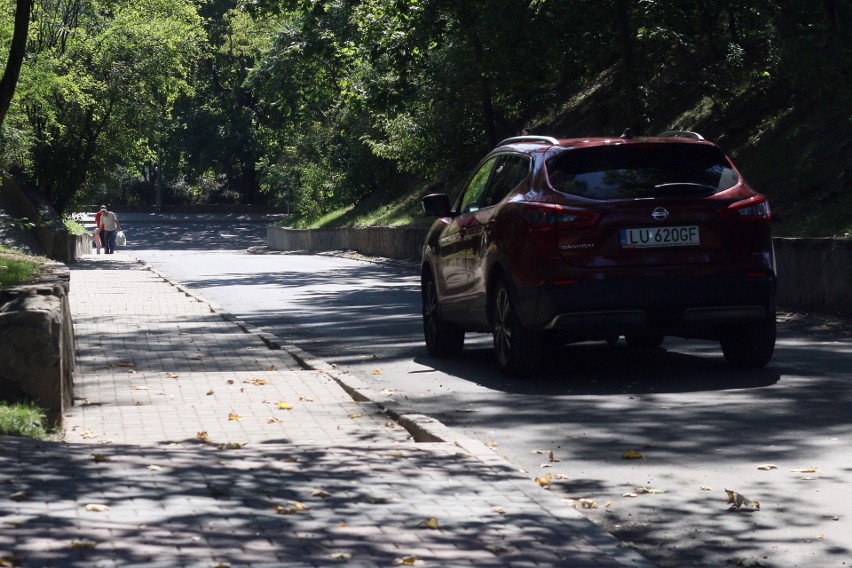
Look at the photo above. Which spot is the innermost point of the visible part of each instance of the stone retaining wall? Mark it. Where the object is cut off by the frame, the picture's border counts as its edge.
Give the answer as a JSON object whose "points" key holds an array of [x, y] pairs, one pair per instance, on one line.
{"points": [[814, 274], [52, 235], [37, 343]]}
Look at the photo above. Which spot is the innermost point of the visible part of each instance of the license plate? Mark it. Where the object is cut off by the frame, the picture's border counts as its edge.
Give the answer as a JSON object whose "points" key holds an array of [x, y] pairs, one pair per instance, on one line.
{"points": [[655, 237]]}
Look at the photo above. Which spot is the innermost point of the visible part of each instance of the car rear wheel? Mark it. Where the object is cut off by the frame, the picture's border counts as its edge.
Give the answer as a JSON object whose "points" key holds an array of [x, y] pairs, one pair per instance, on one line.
{"points": [[750, 346], [518, 348], [645, 340], [442, 339]]}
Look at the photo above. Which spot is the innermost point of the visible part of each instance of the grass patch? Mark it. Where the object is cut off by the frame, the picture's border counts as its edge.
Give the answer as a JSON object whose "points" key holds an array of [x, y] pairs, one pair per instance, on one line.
{"points": [[74, 227], [24, 420], [18, 268]]}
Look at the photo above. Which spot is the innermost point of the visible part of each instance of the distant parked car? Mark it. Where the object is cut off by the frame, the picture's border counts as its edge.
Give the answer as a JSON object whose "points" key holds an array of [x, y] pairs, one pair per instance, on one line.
{"points": [[558, 241]]}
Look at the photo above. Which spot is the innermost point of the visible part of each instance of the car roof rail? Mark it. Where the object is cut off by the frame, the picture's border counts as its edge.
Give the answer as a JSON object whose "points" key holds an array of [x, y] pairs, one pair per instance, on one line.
{"points": [[680, 134], [530, 138]]}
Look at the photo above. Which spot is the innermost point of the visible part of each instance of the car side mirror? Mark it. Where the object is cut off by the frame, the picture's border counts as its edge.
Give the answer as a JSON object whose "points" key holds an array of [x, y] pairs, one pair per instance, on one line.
{"points": [[437, 205]]}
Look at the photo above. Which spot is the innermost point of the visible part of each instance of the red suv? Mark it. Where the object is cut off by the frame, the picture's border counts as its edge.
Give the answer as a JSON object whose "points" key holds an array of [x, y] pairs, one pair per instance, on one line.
{"points": [[594, 238]]}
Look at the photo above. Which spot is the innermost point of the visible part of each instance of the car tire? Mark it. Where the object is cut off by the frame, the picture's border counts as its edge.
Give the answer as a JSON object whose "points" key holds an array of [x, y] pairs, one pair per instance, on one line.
{"points": [[645, 340], [442, 339], [518, 349], [750, 346]]}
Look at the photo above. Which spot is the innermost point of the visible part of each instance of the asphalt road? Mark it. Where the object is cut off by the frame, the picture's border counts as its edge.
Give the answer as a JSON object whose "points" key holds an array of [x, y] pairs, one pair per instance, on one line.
{"points": [[781, 436]]}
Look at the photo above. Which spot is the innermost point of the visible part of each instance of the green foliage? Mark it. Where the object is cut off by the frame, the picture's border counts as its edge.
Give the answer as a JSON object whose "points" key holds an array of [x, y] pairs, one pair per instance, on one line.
{"points": [[25, 420], [73, 226], [321, 105]]}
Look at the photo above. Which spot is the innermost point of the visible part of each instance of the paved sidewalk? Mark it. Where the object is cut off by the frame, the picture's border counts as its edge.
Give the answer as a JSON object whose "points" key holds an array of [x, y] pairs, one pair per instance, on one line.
{"points": [[191, 443]]}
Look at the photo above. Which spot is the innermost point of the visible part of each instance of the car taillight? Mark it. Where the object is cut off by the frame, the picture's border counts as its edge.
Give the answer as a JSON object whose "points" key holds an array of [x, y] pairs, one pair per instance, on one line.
{"points": [[752, 209], [543, 216]]}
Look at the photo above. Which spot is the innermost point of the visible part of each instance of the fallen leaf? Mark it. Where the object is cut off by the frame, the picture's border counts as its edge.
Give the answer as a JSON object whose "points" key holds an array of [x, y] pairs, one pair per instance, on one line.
{"points": [[87, 434], [229, 446], [97, 508], [340, 555], [737, 501], [273, 420], [303, 398], [544, 481], [257, 382], [407, 561], [20, 495], [498, 548], [804, 470], [751, 562], [81, 545], [706, 488], [491, 444], [647, 490], [233, 417], [356, 415], [281, 405], [154, 467], [499, 510], [430, 523], [126, 364], [546, 465], [171, 375], [290, 508], [377, 371], [552, 457], [632, 455], [101, 458], [203, 436], [561, 477], [210, 392], [588, 504], [270, 368], [767, 467], [138, 387], [321, 493]]}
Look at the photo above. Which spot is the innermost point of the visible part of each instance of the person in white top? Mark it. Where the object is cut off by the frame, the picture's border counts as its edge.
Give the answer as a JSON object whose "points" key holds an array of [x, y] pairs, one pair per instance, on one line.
{"points": [[109, 226]]}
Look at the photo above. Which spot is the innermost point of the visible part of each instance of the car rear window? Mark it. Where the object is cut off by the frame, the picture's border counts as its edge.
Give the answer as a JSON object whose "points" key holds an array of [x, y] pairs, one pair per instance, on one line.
{"points": [[627, 171]]}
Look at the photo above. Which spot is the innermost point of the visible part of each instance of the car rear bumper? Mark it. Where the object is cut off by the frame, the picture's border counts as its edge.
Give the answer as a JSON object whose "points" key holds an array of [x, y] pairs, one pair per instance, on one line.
{"points": [[674, 306]]}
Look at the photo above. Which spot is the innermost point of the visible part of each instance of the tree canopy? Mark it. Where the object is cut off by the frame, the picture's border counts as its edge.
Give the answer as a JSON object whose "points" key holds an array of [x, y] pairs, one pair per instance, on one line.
{"points": [[321, 104]]}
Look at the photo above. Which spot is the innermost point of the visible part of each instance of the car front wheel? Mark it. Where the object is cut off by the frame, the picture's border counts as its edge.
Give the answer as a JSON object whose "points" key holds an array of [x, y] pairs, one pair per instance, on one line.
{"points": [[518, 348], [750, 346], [442, 339]]}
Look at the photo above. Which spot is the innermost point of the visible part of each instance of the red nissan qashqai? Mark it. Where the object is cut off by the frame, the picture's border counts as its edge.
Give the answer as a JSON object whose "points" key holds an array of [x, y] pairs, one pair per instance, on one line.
{"points": [[596, 238]]}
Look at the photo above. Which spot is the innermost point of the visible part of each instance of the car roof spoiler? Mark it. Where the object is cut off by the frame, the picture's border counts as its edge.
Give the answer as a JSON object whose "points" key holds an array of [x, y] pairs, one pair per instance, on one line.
{"points": [[680, 134], [531, 138]]}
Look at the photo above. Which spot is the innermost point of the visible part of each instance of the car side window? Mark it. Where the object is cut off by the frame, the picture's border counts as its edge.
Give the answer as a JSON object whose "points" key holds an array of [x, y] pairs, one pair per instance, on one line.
{"points": [[473, 197], [511, 170]]}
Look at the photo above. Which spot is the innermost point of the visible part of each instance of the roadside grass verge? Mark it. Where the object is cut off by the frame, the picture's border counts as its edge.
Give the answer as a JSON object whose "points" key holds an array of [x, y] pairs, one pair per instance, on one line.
{"points": [[17, 267], [24, 420]]}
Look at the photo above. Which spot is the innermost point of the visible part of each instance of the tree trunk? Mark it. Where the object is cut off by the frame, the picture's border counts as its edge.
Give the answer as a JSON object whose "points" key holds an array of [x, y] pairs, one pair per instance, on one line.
{"points": [[16, 56]]}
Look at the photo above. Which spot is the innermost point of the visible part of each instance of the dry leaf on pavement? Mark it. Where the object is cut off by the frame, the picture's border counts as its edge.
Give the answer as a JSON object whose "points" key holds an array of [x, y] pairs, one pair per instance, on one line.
{"points": [[97, 508], [767, 467], [234, 417], [544, 481], [430, 523], [737, 501], [290, 508], [632, 455]]}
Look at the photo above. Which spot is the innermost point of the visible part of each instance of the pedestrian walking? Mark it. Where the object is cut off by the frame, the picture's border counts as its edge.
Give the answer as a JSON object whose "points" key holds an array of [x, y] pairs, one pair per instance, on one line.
{"points": [[109, 226]]}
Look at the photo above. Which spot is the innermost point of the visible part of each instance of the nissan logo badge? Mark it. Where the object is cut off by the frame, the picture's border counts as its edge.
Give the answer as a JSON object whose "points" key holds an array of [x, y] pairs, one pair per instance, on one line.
{"points": [[660, 214]]}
